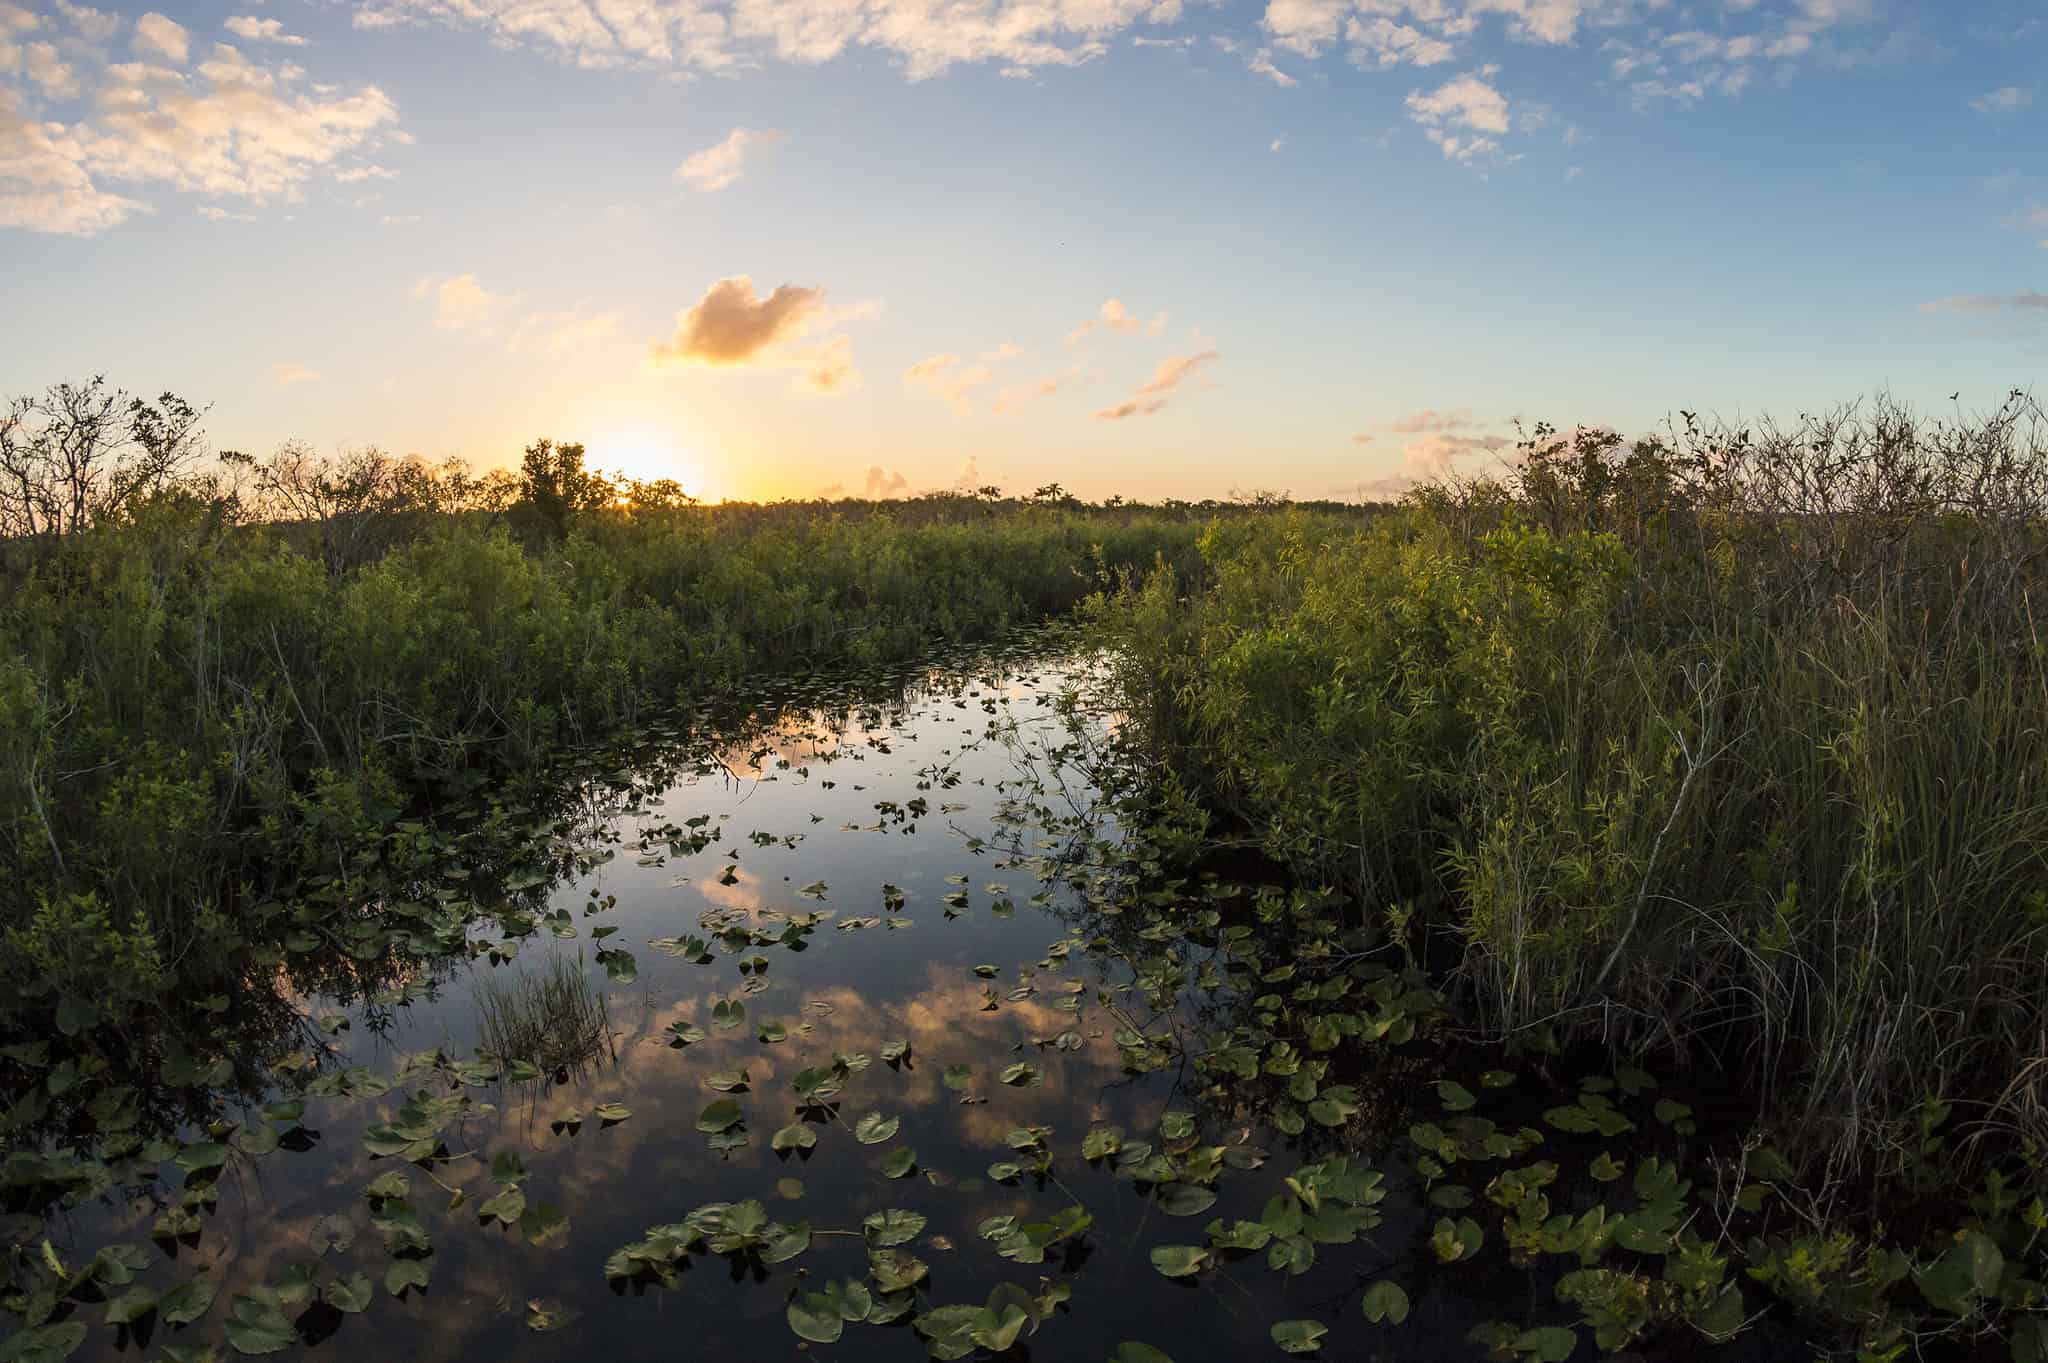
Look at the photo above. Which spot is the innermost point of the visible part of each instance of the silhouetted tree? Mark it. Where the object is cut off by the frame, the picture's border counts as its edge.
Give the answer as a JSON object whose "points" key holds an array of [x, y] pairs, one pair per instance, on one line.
{"points": [[557, 486]]}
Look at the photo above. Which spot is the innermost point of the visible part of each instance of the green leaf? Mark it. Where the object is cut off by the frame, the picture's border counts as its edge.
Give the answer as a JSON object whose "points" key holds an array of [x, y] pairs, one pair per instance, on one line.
{"points": [[1547, 1343], [892, 1227], [1385, 1301], [404, 1273], [722, 1115], [795, 1136], [1020, 1075], [43, 1344], [545, 1224], [201, 1156], [1185, 1199], [187, 1302], [256, 1326], [611, 1112], [958, 1077], [1299, 1336], [815, 1316], [131, 1306], [902, 1162], [1179, 1261], [874, 1128], [896, 1270], [1454, 1097], [351, 1294], [1130, 1351]]}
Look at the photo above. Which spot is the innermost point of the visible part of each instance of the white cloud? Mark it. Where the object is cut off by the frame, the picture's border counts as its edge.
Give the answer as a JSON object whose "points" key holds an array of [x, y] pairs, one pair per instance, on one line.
{"points": [[715, 167], [2006, 99], [262, 31], [2025, 301], [947, 377], [1261, 64], [463, 304], [1430, 419], [357, 174], [1114, 316], [227, 128], [924, 38], [161, 37], [287, 374], [1465, 117]]}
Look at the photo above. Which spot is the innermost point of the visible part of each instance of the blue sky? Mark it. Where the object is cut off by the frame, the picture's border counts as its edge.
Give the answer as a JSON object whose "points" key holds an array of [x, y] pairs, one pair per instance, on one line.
{"points": [[1149, 246]]}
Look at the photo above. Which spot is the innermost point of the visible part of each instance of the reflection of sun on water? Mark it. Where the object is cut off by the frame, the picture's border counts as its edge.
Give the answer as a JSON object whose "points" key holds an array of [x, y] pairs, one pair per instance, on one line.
{"points": [[649, 454]]}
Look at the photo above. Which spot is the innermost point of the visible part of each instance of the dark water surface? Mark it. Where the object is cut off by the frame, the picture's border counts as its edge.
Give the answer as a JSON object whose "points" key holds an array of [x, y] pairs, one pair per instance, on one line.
{"points": [[830, 792]]}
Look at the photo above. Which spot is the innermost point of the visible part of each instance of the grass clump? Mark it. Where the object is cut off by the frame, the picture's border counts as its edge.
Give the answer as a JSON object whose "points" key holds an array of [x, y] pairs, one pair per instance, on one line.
{"points": [[552, 1017], [1730, 746]]}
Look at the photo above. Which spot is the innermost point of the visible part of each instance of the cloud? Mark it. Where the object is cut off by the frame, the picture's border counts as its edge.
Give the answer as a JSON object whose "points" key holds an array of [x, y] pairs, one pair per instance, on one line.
{"points": [[1260, 63], [1429, 419], [228, 128], [1022, 394], [2006, 99], [256, 30], [461, 303], [159, 36], [1129, 409], [2025, 301], [1435, 455], [731, 325], [1382, 42], [945, 376], [355, 174], [1362, 438], [1173, 369], [882, 483], [287, 374], [723, 36], [1114, 316], [1467, 102], [1151, 395], [829, 368], [559, 333], [215, 213], [715, 167]]}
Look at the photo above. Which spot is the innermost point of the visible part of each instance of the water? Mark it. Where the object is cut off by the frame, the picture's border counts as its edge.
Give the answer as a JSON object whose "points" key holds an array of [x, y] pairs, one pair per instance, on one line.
{"points": [[928, 789]]}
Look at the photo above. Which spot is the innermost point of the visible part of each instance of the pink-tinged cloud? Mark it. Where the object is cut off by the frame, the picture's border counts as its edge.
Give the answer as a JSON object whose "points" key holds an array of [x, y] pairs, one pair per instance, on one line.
{"points": [[1429, 419], [731, 325], [1173, 369]]}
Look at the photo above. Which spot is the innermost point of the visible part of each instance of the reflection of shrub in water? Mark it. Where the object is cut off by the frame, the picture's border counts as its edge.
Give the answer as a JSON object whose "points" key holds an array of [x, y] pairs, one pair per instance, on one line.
{"points": [[554, 1019]]}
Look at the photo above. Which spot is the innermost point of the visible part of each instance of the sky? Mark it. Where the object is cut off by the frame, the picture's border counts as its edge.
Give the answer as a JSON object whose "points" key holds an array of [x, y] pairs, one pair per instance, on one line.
{"points": [[785, 248]]}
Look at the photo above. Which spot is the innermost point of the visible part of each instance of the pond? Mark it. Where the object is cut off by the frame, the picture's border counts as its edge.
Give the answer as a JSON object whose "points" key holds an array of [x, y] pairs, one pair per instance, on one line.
{"points": [[862, 1030]]}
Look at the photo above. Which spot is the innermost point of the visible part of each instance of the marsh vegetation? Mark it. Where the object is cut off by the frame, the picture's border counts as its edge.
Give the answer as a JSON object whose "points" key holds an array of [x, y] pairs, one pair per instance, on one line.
{"points": [[1597, 911]]}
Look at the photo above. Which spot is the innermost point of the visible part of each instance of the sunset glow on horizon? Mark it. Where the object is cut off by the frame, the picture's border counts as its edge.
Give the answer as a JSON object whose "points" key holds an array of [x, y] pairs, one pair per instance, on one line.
{"points": [[787, 248]]}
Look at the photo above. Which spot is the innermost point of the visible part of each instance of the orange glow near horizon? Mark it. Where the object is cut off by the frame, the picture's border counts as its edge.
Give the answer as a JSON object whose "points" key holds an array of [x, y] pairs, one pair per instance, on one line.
{"points": [[648, 454]]}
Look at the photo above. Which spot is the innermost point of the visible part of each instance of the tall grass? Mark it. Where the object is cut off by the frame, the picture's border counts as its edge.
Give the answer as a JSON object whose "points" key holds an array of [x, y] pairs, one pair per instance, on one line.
{"points": [[1730, 747], [552, 1018]]}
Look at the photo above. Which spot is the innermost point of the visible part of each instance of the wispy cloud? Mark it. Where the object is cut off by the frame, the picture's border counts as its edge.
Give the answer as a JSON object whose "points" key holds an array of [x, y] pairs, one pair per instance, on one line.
{"points": [[462, 303], [718, 166], [286, 374], [2024, 301], [1113, 316], [1429, 419], [2006, 99], [255, 30], [1151, 395]]}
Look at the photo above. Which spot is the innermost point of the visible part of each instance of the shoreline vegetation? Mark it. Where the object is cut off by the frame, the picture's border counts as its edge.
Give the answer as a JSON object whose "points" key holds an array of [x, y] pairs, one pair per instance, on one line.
{"points": [[1723, 752]]}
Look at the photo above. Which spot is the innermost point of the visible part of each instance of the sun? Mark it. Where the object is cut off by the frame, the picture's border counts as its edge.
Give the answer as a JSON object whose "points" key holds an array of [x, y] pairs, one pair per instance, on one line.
{"points": [[646, 454]]}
